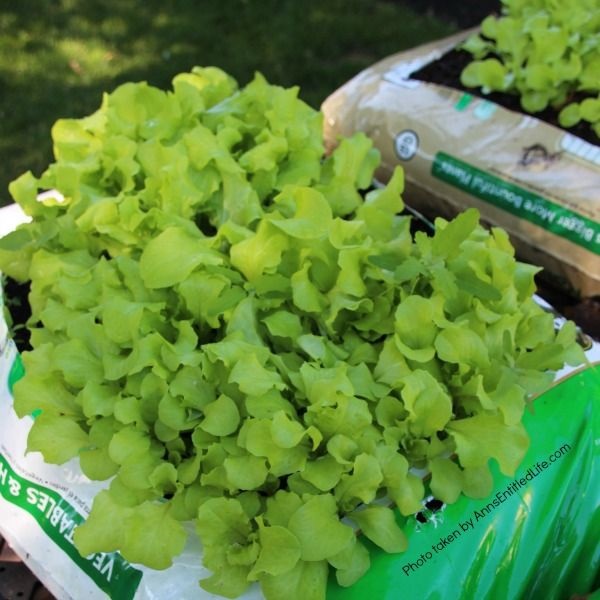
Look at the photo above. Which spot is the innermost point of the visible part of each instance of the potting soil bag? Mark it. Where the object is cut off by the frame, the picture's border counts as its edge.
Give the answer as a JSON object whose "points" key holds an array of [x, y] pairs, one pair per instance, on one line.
{"points": [[538, 182], [535, 536]]}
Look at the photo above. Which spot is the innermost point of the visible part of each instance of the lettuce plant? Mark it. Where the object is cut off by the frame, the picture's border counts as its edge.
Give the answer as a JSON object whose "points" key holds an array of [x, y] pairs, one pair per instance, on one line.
{"points": [[586, 110], [231, 330], [542, 50]]}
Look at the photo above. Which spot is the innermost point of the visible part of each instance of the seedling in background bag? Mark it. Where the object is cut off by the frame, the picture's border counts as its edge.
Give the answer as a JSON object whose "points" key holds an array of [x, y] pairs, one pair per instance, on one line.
{"points": [[587, 110], [232, 331], [545, 52]]}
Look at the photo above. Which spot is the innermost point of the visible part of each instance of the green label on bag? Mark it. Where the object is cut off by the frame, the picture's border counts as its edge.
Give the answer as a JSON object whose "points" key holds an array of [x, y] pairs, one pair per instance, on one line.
{"points": [[463, 102], [58, 519], [520, 202], [16, 372], [534, 536]]}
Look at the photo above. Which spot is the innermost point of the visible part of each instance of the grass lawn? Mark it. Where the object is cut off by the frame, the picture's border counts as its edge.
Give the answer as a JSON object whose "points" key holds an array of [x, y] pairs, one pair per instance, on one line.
{"points": [[57, 56]]}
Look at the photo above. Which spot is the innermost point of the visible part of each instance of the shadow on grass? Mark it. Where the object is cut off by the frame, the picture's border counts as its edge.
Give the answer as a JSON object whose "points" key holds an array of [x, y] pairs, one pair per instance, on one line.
{"points": [[58, 56]]}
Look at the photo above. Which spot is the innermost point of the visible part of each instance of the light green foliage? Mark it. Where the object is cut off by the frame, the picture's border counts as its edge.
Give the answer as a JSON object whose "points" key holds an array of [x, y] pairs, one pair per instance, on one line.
{"points": [[224, 325], [544, 51], [587, 110], [378, 523]]}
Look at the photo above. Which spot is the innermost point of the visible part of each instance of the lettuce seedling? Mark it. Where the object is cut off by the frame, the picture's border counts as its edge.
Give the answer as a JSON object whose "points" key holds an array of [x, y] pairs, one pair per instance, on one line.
{"points": [[541, 50], [587, 110]]}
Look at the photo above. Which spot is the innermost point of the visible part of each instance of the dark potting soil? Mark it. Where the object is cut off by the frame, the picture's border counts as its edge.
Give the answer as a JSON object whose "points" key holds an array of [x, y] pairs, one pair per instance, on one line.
{"points": [[16, 300], [447, 69]]}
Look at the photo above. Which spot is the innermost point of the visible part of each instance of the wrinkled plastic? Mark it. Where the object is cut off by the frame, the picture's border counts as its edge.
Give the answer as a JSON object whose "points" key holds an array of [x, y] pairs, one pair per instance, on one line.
{"points": [[541, 542]]}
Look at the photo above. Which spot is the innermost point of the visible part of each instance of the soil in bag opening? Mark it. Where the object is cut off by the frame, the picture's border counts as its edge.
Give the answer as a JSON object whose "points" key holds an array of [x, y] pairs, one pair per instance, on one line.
{"points": [[16, 301], [447, 69]]}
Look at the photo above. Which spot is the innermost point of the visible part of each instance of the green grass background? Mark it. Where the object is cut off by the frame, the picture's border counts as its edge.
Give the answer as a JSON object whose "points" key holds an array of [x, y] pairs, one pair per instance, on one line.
{"points": [[58, 56]]}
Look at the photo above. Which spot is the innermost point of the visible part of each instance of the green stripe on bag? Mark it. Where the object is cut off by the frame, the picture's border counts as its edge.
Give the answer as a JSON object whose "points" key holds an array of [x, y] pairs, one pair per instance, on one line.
{"points": [[518, 201], [58, 519]]}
